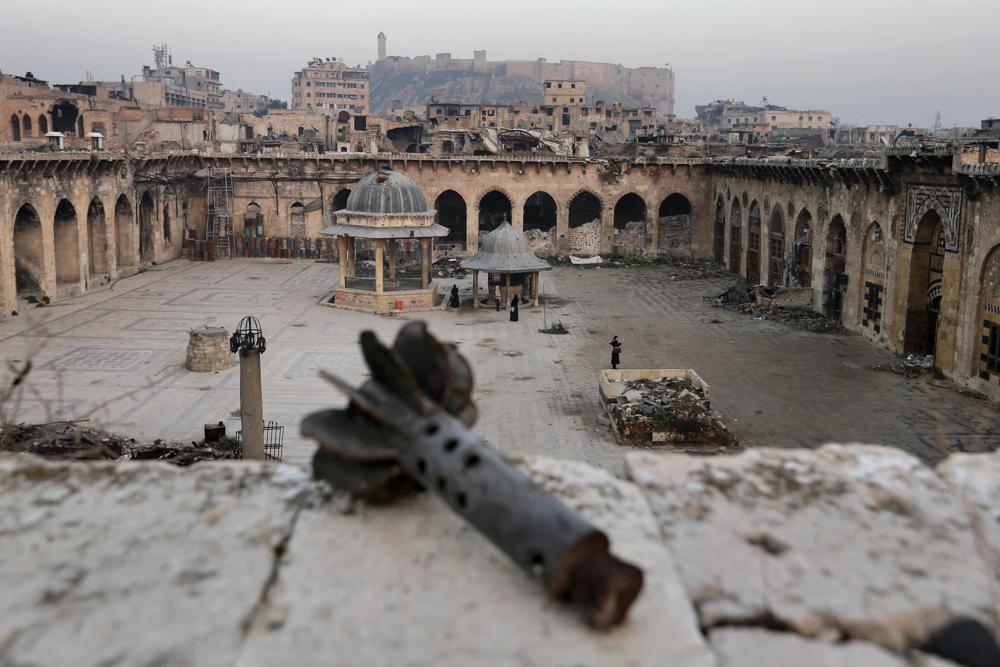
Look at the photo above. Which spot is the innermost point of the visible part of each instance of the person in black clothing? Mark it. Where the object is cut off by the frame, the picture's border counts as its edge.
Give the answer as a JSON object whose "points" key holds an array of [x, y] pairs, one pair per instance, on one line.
{"points": [[453, 303], [616, 350], [513, 308]]}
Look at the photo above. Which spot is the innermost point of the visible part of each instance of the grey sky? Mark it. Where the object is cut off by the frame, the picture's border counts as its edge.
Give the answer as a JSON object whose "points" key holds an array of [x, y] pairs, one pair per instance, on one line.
{"points": [[874, 61]]}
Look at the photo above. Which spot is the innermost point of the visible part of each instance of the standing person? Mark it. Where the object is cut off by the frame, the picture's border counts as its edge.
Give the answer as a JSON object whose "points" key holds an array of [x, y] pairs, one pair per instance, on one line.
{"points": [[496, 297], [454, 297], [513, 308], [616, 351]]}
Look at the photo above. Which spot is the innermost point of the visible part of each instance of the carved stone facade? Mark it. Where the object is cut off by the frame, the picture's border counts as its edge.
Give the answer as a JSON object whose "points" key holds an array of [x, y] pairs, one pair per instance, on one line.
{"points": [[945, 201]]}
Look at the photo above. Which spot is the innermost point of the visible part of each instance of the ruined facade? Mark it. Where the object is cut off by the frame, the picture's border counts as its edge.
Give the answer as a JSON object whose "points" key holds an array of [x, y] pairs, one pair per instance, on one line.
{"points": [[903, 249], [331, 84]]}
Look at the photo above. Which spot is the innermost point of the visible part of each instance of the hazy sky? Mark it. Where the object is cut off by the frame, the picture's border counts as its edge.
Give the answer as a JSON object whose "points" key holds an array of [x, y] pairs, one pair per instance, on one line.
{"points": [[867, 61]]}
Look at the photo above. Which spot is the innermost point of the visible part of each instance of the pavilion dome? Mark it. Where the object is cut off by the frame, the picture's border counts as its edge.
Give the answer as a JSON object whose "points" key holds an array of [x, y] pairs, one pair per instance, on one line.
{"points": [[387, 192], [505, 250]]}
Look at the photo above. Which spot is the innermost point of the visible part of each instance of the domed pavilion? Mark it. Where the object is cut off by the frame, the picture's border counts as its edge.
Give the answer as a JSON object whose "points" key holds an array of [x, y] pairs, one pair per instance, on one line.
{"points": [[511, 267], [386, 213]]}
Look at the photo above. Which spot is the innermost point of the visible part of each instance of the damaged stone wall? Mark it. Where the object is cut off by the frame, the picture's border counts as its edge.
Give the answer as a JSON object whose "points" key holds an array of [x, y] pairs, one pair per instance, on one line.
{"points": [[630, 241], [586, 239], [674, 239]]}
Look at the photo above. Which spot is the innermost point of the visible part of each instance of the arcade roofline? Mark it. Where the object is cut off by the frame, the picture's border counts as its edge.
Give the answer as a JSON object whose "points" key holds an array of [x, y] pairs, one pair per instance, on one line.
{"points": [[869, 170]]}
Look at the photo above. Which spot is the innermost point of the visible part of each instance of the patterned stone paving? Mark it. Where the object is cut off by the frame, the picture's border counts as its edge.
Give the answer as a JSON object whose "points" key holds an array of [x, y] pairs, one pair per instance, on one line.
{"points": [[122, 350]]}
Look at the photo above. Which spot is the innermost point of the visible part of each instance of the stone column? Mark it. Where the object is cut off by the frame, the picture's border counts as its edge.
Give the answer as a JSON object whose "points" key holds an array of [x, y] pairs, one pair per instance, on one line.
{"points": [[517, 217], [506, 289], [535, 287], [351, 251], [342, 259], [392, 259], [425, 263], [475, 289], [379, 260], [251, 406]]}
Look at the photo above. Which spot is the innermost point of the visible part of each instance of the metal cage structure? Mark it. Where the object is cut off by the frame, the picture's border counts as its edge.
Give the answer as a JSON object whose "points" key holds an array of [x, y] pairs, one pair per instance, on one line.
{"points": [[274, 441]]}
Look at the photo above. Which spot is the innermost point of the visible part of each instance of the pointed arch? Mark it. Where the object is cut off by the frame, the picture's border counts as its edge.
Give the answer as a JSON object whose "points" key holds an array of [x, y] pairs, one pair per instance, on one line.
{"points": [[775, 248], [835, 268], [66, 239], [97, 237], [494, 207], [125, 241], [147, 211], [735, 235], [753, 243], [28, 253], [451, 211], [719, 231]]}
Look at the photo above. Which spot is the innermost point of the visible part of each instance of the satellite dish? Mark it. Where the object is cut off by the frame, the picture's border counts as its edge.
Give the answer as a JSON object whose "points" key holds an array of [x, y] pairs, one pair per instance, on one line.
{"points": [[201, 173]]}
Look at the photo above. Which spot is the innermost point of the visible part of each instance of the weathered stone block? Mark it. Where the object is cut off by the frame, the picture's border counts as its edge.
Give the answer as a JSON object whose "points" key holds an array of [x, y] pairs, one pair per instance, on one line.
{"points": [[850, 540]]}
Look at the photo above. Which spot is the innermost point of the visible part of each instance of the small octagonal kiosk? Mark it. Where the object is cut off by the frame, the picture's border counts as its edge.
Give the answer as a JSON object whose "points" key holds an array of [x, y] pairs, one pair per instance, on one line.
{"points": [[386, 222], [511, 267]]}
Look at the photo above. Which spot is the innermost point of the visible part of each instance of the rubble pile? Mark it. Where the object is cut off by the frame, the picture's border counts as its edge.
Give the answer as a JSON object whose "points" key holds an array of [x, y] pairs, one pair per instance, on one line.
{"points": [[759, 302], [666, 410], [540, 241], [912, 366], [449, 267], [69, 441]]}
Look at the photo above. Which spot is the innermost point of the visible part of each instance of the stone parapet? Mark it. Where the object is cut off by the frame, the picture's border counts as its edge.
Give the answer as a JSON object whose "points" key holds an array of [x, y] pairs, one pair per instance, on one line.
{"points": [[849, 554]]}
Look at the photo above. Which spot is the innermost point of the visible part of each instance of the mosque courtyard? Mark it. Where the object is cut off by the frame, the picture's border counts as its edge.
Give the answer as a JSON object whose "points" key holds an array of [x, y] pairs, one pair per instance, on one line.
{"points": [[115, 356]]}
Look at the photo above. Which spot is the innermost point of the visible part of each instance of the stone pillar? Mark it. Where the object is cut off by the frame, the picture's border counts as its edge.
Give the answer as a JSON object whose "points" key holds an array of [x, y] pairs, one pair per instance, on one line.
{"points": [[535, 287], [425, 263], [351, 250], [517, 218], [506, 290], [379, 261], [475, 289], [251, 406], [392, 259], [342, 259]]}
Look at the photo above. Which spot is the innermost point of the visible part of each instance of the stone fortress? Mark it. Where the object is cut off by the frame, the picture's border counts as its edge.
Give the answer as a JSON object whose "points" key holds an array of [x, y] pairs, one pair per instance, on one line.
{"points": [[477, 79]]}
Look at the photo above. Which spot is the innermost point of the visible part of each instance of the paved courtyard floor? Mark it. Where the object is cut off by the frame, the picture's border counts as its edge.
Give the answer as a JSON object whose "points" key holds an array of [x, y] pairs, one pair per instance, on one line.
{"points": [[116, 356]]}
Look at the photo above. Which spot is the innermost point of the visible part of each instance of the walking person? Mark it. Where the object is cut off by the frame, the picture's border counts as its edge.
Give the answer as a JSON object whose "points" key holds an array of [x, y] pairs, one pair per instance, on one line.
{"points": [[453, 303], [616, 351], [513, 308]]}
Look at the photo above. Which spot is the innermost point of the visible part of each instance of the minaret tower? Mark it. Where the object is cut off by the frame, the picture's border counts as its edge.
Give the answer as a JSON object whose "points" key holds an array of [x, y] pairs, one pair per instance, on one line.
{"points": [[381, 46]]}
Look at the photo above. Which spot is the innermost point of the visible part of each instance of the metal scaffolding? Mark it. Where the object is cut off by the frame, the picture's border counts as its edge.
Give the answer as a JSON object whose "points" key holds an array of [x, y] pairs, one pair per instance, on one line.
{"points": [[219, 227]]}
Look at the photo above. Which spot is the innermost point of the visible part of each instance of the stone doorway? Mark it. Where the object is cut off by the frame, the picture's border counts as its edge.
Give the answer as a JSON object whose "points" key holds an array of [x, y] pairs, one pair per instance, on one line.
{"points": [[923, 301]]}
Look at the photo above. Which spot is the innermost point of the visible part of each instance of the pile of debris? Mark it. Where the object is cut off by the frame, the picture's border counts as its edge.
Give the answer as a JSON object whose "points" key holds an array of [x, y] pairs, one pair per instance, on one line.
{"points": [[693, 269], [667, 409], [449, 267], [792, 306], [68, 440], [912, 366]]}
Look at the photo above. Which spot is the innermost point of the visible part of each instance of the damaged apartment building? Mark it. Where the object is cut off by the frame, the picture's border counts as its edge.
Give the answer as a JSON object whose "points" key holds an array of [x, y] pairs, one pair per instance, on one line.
{"points": [[564, 123]]}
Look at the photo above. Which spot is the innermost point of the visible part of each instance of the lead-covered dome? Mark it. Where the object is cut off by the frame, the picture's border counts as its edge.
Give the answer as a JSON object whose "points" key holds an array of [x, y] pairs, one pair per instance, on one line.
{"points": [[505, 250], [386, 192]]}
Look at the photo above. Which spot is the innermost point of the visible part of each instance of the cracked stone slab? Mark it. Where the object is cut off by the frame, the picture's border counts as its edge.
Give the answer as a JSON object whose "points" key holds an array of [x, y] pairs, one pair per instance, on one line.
{"points": [[136, 563], [412, 584], [754, 647], [848, 540], [976, 479]]}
